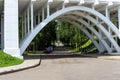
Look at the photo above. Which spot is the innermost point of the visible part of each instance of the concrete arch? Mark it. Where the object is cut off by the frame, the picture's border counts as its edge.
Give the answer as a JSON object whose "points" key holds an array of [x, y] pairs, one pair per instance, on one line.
{"points": [[102, 29], [109, 50], [94, 31], [88, 34], [24, 44]]}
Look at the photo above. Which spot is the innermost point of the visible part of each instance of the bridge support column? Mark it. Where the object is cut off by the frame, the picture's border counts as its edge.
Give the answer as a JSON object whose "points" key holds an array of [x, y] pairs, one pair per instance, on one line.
{"points": [[43, 14], [22, 27], [11, 40], [32, 15], [108, 17], [25, 24], [48, 9], [119, 18], [28, 20], [38, 18]]}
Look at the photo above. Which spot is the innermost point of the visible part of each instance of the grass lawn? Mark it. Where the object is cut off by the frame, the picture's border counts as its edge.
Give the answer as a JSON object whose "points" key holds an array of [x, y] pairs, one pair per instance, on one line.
{"points": [[8, 60]]}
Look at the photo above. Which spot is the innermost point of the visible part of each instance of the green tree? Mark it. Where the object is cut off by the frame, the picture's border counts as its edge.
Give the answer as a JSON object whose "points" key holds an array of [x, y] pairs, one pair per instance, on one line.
{"points": [[45, 38], [71, 35]]}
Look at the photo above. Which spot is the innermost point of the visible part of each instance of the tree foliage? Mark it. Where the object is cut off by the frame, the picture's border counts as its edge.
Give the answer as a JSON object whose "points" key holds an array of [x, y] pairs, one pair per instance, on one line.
{"points": [[68, 34], [45, 38], [71, 35]]}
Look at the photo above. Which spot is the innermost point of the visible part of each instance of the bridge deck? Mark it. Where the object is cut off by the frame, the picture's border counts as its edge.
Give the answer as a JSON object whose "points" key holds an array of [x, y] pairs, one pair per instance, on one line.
{"points": [[56, 4], [99, 5]]}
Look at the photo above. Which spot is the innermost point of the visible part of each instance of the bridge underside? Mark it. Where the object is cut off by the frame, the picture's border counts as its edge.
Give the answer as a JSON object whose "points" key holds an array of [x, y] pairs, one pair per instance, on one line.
{"points": [[98, 19]]}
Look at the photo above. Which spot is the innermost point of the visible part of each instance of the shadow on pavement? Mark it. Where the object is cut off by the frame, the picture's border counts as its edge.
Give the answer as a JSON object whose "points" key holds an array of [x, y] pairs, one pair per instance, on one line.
{"points": [[56, 56], [34, 56], [59, 52]]}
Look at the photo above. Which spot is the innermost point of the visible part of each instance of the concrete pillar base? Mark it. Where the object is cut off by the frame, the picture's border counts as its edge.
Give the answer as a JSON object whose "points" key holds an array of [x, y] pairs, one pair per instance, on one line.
{"points": [[14, 52]]}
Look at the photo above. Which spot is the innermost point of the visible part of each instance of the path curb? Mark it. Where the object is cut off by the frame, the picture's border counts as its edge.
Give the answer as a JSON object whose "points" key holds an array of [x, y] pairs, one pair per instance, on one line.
{"points": [[17, 68]]}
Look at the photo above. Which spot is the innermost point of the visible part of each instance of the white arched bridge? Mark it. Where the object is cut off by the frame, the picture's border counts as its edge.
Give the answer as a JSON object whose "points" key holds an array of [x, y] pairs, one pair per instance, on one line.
{"points": [[100, 18]]}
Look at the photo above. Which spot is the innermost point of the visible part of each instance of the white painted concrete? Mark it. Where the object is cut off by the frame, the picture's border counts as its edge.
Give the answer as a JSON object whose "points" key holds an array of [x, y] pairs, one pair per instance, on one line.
{"points": [[74, 8], [11, 40], [44, 9]]}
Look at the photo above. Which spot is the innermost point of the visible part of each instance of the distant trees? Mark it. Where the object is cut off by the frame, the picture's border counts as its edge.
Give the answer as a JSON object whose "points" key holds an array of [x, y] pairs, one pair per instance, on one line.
{"points": [[45, 38], [71, 35], [68, 34]]}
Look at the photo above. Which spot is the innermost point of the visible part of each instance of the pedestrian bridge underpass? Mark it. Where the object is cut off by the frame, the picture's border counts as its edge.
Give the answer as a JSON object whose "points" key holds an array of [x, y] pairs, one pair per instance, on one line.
{"points": [[100, 18]]}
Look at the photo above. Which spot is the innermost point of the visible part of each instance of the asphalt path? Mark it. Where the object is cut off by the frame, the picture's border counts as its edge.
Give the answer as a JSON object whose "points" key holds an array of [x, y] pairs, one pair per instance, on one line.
{"points": [[69, 68]]}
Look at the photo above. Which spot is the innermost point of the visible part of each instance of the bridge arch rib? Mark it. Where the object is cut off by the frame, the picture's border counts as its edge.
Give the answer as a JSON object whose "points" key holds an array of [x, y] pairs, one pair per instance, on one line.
{"points": [[104, 45], [24, 44], [97, 34], [100, 49]]}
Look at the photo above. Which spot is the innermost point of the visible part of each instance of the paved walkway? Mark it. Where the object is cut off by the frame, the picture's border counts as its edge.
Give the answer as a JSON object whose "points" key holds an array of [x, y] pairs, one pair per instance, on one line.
{"points": [[67, 67], [70, 69]]}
